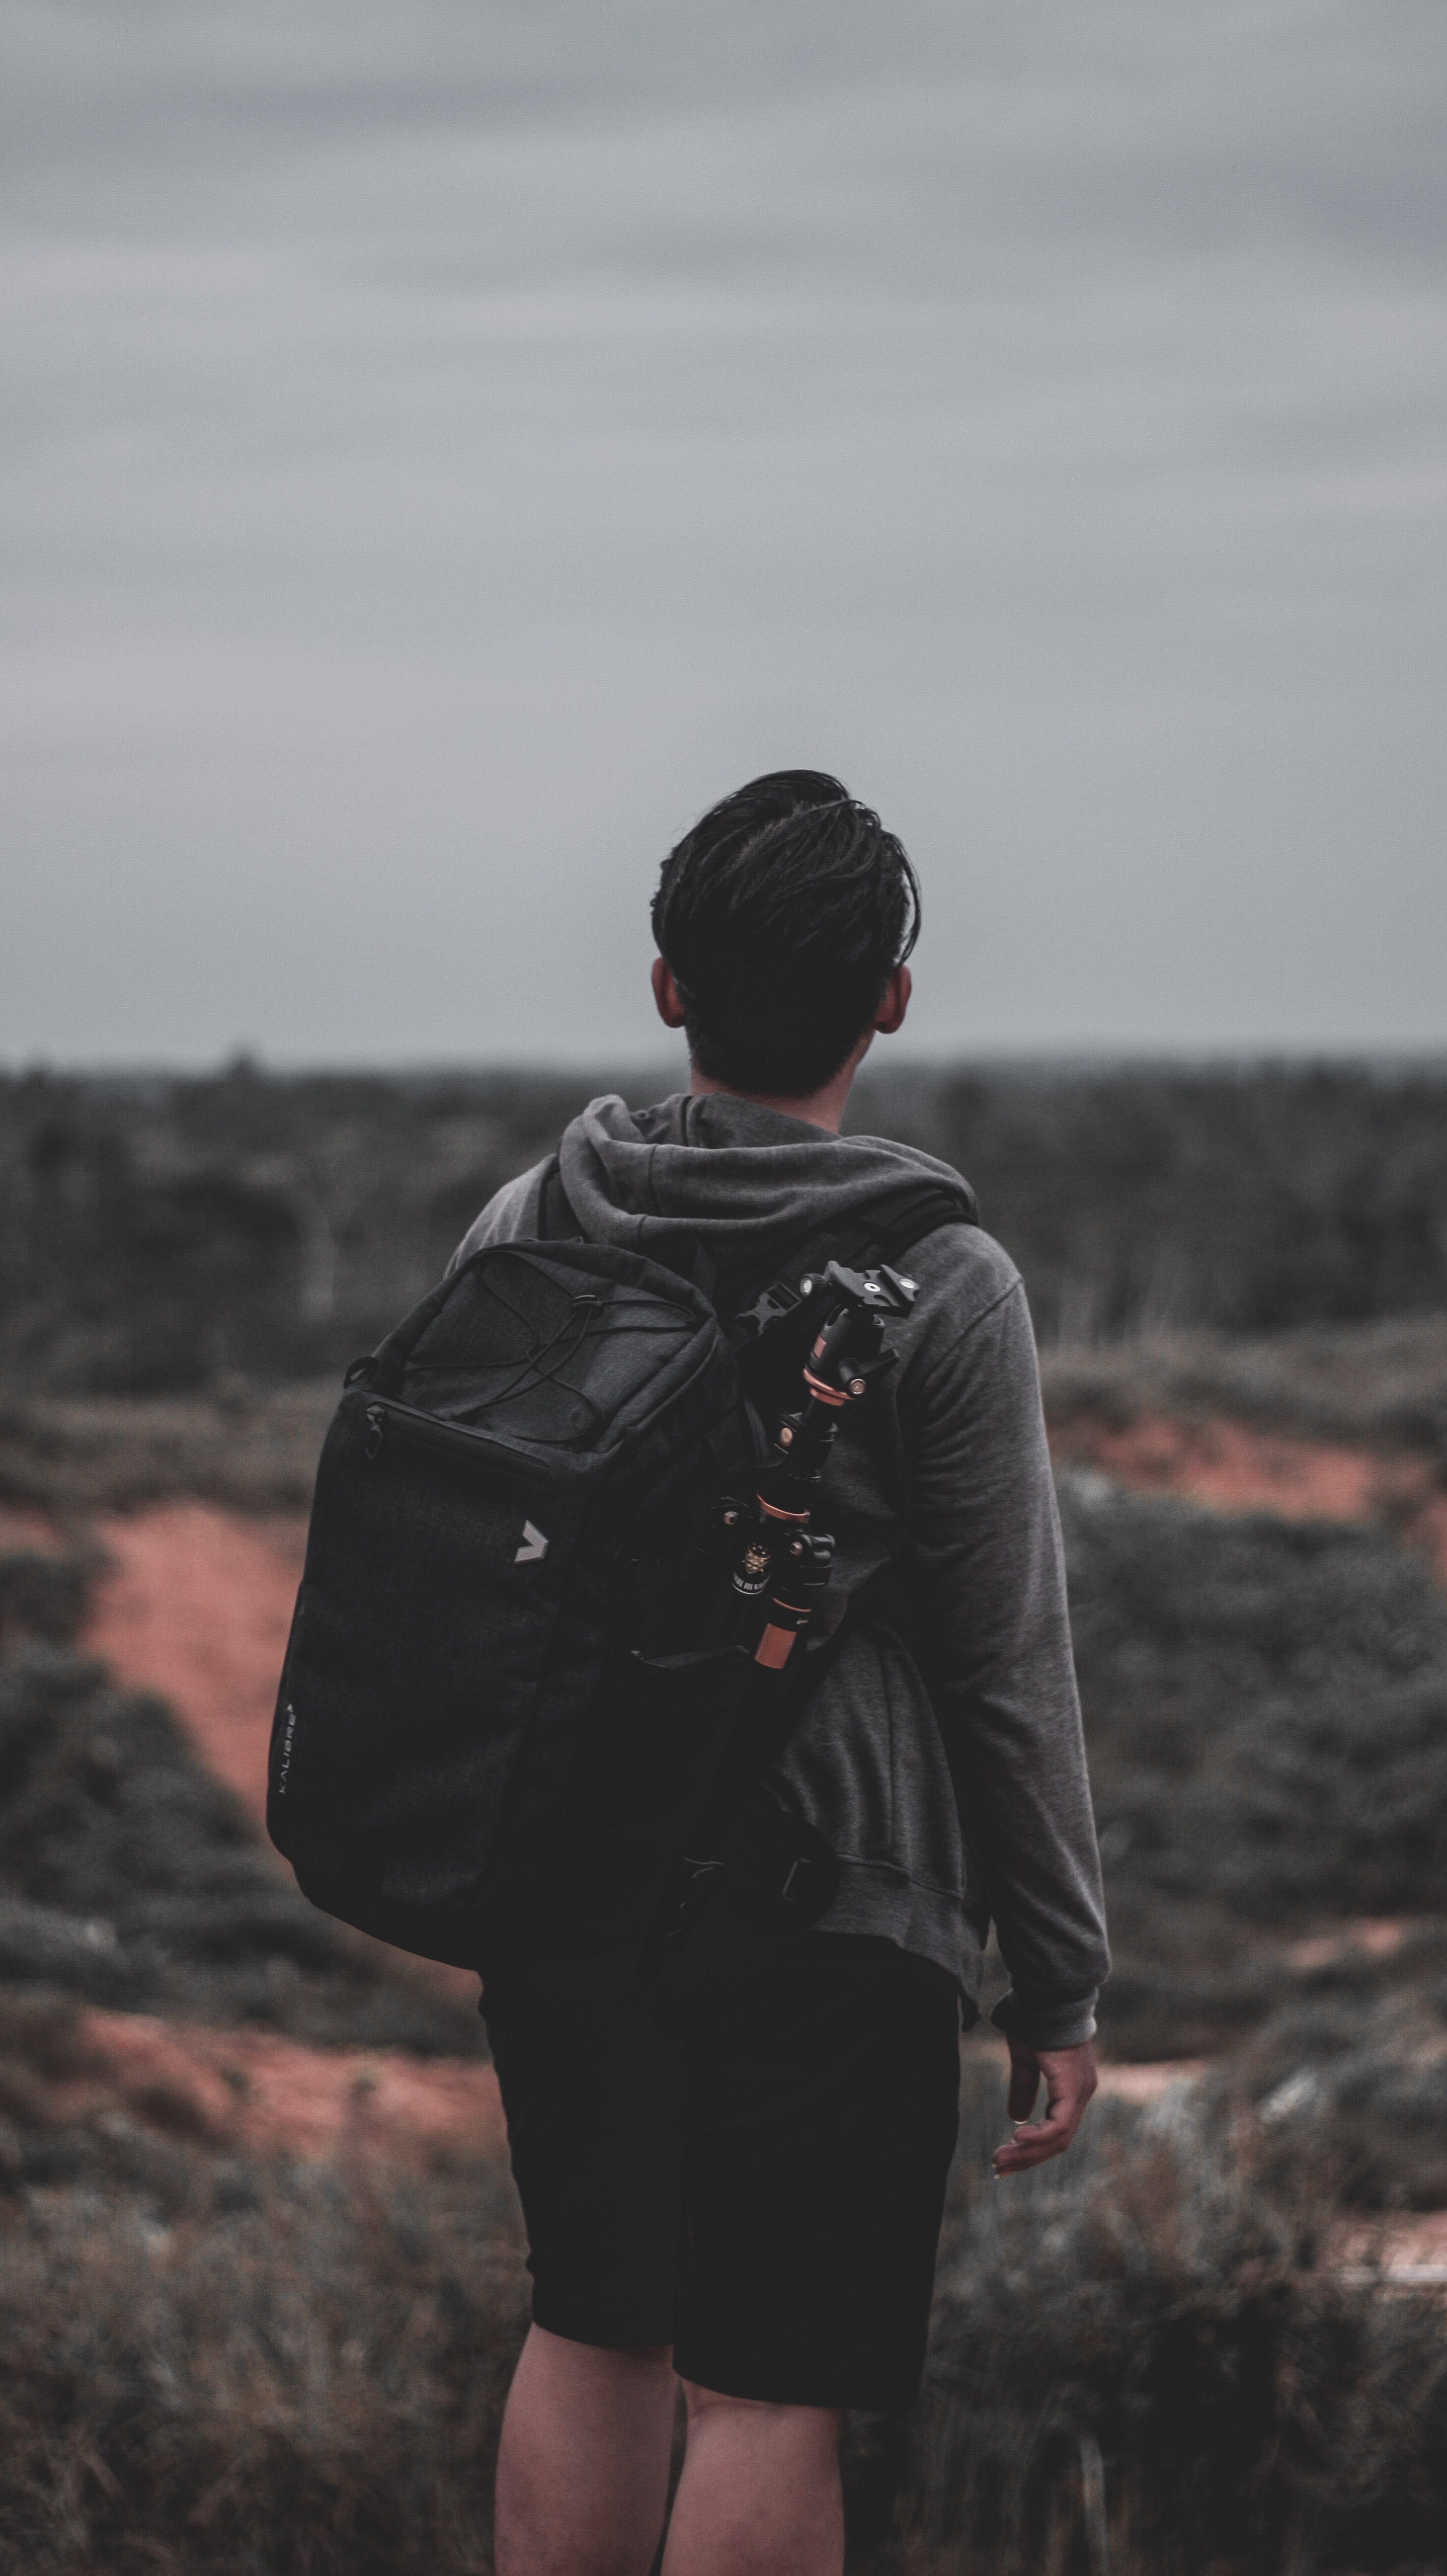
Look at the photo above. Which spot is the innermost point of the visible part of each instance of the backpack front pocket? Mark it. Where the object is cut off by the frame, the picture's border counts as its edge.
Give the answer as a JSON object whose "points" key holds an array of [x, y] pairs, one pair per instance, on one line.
{"points": [[433, 1584]]}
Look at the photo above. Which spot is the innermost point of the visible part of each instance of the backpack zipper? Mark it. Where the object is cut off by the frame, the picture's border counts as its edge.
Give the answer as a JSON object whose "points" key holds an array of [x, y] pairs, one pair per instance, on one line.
{"points": [[424, 1427]]}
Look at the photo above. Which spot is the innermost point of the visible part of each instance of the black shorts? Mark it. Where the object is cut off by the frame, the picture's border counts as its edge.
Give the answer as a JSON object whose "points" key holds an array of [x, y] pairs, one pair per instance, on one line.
{"points": [[747, 2163]]}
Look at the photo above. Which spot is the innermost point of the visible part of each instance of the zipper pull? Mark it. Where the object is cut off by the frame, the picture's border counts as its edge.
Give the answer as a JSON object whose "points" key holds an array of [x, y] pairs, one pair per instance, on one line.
{"points": [[374, 1429]]}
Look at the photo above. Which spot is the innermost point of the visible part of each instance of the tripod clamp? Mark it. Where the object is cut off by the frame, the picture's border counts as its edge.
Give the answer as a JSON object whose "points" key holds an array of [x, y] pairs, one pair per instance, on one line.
{"points": [[786, 1563]]}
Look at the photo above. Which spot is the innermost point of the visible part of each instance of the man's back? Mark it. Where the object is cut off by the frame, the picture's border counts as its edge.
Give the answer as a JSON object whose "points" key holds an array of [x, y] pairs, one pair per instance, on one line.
{"points": [[944, 1800]]}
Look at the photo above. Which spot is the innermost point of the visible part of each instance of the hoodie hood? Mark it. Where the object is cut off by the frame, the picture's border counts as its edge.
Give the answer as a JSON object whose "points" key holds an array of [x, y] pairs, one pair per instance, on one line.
{"points": [[744, 1181]]}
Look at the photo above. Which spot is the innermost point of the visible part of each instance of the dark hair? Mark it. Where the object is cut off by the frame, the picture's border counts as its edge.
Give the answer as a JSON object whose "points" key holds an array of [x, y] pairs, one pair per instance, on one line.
{"points": [[783, 914]]}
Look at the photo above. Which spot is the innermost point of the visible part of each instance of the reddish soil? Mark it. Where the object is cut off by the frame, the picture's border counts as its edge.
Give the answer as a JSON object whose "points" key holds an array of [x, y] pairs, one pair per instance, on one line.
{"points": [[25, 1533], [1236, 1469], [1373, 1936], [1146, 2083], [1411, 2250], [196, 1604], [249, 2088], [1124, 2082]]}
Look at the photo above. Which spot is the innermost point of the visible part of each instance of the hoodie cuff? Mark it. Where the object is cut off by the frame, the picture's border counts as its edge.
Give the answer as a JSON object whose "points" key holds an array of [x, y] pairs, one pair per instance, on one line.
{"points": [[1043, 2023]]}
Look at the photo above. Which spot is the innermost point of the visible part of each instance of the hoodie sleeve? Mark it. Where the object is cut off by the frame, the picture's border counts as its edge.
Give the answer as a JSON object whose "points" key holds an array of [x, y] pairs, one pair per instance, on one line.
{"points": [[510, 1212], [986, 1543]]}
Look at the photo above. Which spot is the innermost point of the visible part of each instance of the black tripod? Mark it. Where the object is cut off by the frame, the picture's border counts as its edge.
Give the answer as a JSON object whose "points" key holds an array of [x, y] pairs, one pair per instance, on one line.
{"points": [[786, 1563], [781, 1566]]}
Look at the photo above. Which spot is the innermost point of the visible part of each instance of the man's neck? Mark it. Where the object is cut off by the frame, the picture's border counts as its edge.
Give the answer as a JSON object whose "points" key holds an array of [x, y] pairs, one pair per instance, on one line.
{"points": [[822, 1108]]}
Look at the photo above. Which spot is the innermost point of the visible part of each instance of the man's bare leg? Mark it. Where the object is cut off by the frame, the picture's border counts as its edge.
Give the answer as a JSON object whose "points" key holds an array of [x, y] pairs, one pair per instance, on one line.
{"points": [[760, 2491], [582, 2468]]}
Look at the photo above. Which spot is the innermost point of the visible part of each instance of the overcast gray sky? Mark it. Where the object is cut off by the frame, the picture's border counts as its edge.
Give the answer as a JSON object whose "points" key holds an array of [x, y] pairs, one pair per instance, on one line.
{"points": [[447, 443]]}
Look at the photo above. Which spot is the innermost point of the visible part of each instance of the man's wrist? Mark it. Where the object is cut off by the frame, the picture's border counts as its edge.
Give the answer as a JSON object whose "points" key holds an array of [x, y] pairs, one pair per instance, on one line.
{"points": [[1037, 2021]]}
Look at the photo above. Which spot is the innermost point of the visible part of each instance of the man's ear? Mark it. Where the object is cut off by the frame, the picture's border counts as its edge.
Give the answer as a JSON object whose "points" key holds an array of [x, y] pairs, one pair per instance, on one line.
{"points": [[667, 996], [891, 1011]]}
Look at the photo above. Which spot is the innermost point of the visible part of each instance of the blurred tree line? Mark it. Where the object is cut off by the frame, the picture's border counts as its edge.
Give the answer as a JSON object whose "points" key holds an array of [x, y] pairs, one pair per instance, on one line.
{"points": [[162, 1232]]}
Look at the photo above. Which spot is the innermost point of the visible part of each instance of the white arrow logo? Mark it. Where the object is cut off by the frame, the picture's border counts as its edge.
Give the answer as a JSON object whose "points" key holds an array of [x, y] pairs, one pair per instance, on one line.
{"points": [[534, 1547]]}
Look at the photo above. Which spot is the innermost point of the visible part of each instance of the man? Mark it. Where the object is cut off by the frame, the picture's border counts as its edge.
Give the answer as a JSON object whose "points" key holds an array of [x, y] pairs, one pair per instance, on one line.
{"points": [[742, 2182]]}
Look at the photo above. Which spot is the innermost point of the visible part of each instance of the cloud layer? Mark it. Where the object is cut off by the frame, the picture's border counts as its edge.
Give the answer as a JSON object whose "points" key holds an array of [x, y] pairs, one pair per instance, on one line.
{"points": [[448, 444]]}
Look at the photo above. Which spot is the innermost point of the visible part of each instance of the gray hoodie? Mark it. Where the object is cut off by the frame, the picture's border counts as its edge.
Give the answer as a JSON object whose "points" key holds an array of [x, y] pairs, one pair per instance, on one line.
{"points": [[973, 1804]]}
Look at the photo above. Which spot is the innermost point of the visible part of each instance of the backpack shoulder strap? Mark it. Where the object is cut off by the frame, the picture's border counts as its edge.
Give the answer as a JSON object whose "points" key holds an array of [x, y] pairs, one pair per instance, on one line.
{"points": [[933, 1205], [861, 1245]]}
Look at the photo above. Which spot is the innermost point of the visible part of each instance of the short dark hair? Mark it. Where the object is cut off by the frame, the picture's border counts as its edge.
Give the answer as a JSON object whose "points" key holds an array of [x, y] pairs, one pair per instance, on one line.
{"points": [[782, 915]]}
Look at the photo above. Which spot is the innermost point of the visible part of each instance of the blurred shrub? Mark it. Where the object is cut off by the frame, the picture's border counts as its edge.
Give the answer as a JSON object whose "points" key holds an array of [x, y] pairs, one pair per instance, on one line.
{"points": [[1137, 1197], [43, 1592], [159, 1233], [131, 1877], [1383, 1384], [254, 1450], [1266, 1706], [1144, 2335], [266, 2369], [259, 2370], [1266, 1711], [1363, 2081]]}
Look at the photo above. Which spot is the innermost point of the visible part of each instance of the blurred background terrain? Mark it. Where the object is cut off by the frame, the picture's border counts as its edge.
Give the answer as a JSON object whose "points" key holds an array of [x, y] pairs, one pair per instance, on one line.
{"points": [[158, 1233], [1239, 1276]]}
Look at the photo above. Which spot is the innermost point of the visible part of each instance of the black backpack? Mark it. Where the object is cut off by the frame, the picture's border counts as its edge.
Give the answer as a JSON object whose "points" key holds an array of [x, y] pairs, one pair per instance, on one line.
{"points": [[507, 1693]]}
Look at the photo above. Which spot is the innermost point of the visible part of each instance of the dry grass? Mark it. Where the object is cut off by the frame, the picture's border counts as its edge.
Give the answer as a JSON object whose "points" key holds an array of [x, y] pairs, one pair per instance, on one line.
{"points": [[1151, 2319], [286, 2373], [234, 2362], [256, 2369]]}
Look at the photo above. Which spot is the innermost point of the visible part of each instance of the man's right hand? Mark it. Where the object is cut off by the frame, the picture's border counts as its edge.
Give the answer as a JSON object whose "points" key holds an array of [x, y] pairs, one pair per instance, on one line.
{"points": [[1070, 2078]]}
